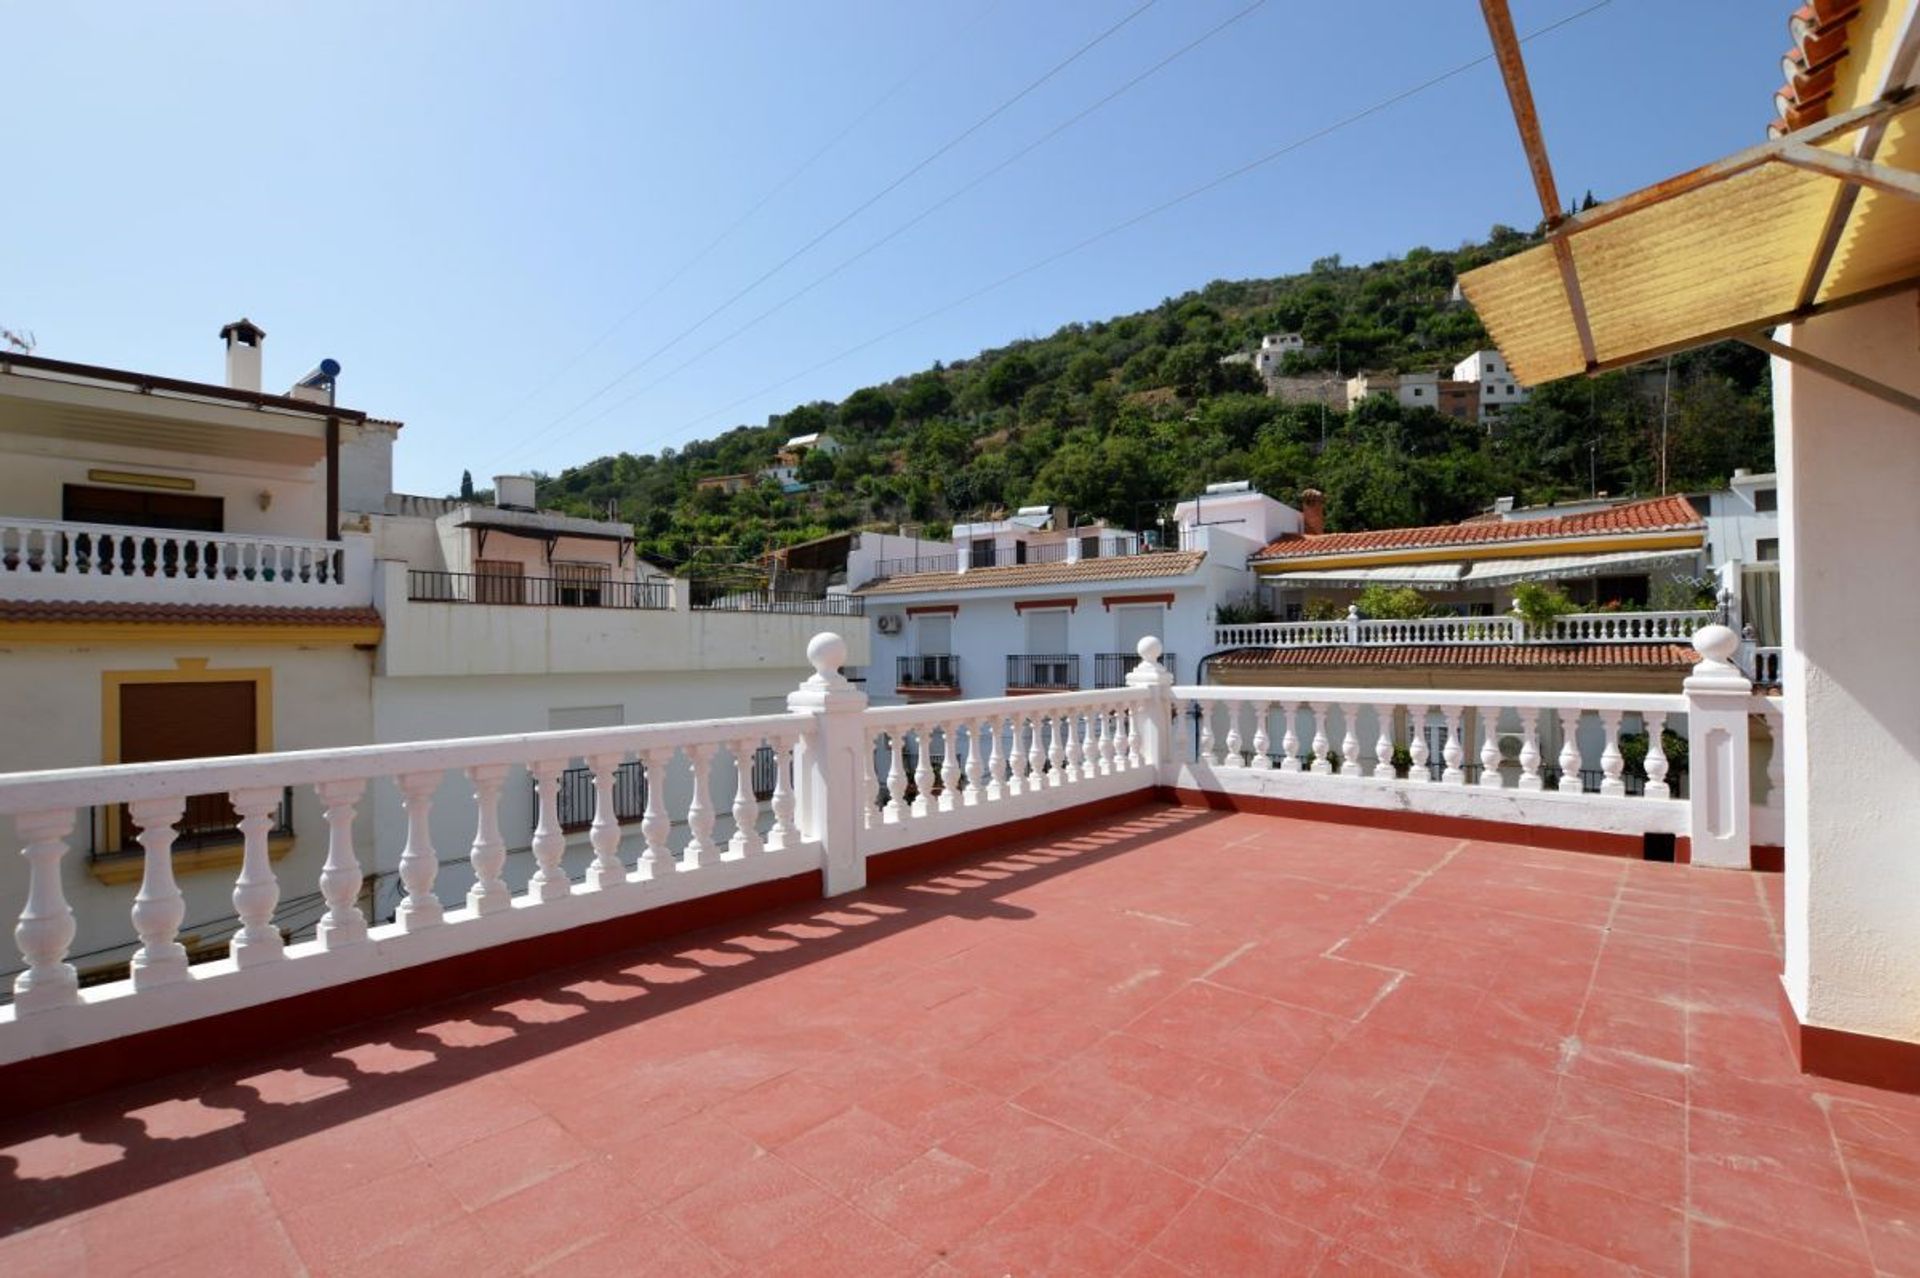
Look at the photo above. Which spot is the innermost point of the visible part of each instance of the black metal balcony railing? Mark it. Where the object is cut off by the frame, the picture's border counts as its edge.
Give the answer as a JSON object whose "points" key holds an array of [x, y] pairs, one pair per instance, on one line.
{"points": [[1110, 669], [429, 586], [1053, 671], [574, 796], [908, 565], [208, 821], [722, 596], [934, 670]]}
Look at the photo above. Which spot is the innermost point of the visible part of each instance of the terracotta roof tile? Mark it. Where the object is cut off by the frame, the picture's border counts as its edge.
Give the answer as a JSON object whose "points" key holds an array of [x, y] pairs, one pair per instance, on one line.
{"points": [[184, 613], [1159, 563], [1659, 514], [1678, 656]]}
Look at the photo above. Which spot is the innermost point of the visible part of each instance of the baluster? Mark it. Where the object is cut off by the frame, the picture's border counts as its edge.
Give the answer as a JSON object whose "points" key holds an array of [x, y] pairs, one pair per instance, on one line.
{"points": [[657, 861], [1056, 751], [1656, 761], [1133, 735], [872, 813], [922, 769], [1611, 763], [343, 924], [997, 760], [700, 845], [1569, 751], [785, 834], [1454, 752], [489, 852], [1016, 756], [1070, 736], [1383, 747], [950, 768], [1350, 765], [46, 928], [1207, 709], [1113, 749], [1321, 763], [896, 775], [549, 881], [1289, 739], [1417, 744], [604, 832], [1490, 748], [419, 863], [746, 839], [256, 891], [1261, 740], [159, 907], [1776, 760], [1234, 758], [1530, 750]]}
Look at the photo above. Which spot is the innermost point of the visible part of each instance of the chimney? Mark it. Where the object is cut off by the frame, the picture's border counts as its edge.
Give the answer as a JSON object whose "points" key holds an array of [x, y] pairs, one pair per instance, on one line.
{"points": [[513, 492], [243, 338], [1503, 505], [1313, 512]]}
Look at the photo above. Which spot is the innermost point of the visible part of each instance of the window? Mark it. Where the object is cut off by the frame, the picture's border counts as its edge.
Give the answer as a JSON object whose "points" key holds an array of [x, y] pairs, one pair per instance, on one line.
{"points": [[1766, 500], [933, 634], [1090, 547], [123, 507], [1418, 392], [578, 585], [980, 553], [499, 581], [1047, 631], [187, 719], [1768, 549]]}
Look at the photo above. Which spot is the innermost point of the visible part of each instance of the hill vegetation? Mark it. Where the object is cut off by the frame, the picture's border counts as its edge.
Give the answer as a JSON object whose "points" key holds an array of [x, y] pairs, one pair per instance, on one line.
{"points": [[1118, 419]]}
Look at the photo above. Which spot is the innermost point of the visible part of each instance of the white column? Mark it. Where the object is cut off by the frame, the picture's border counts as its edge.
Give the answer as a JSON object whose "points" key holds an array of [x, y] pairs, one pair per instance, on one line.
{"points": [[604, 834], [343, 924], [922, 770], [656, 863], [549, 881], [896, 775], [1656, 763], [488, 856], [700, 847], [1417, 745], [1490, 747], [1350, 765], [1383, 747], [1207, 709], [997, 760], [1289, 739], [1261, 740], [1612, 765], [1530, 750], [1154, 743], [825, 767], [419, 863], [1569, 750], [1718, 700], [785, 834], [1454, 752], [256, 891], [158, 909], [46, 927], [1322, 765], [746, 807], [950, 766]]}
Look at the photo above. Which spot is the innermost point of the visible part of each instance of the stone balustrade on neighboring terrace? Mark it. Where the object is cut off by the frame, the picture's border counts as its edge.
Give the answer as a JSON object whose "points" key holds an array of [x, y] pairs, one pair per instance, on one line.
{"points": [[849, 783], [1577, 628], [75, 562]]}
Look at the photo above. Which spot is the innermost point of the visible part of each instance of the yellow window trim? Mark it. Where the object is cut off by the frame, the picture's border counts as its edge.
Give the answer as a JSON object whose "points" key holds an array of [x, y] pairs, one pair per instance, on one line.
{"points": [[131, 866], [95, 633], [185, 670], [1501, 550]]}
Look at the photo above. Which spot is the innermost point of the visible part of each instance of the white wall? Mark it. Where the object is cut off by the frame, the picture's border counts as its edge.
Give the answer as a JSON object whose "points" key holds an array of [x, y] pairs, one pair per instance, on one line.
{"points": [[1849, 467], [366, 465], [321, 698]]}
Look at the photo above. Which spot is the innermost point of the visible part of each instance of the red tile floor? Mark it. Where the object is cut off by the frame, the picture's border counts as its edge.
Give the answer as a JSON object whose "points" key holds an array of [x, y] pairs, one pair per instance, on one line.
{"points": [[1171, 1043]]}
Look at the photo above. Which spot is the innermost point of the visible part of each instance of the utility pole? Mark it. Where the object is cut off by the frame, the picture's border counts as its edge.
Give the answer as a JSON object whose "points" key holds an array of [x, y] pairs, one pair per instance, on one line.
{"points": [[1666, 404]]}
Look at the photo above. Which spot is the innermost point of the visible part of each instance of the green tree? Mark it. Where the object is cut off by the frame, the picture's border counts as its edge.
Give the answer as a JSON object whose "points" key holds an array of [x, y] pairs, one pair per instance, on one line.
{"points": [[1391, 603], [1010, 378], [867, 409], [466, 485], [926, 397]]}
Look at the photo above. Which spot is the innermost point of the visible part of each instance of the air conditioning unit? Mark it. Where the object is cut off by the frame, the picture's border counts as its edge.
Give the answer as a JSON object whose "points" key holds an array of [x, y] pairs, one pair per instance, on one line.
{"points": [[889, 623]]}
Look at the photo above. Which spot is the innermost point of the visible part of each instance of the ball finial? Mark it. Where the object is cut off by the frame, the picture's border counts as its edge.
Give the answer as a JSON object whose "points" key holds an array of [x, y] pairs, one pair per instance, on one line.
{"points": [[1149, 649], [827, 652], [1716, 643]]}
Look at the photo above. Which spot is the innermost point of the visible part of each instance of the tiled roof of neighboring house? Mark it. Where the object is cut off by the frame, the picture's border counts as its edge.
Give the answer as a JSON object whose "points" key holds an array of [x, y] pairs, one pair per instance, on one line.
{"points": [[1658, 515], [1679, 656], [183, 613], [1159, 563], [1820, 41]]}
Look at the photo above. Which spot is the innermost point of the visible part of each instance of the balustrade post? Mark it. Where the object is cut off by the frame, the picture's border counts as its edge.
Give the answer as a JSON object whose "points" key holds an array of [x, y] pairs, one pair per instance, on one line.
{"points": [[1570, 751], [1776, 759], [922, 770], [1417, 750], [1656, 762], [1490, 747], [826, 768], [1530, 750], [604, 834], [1262, 739], [745, 841], [1036, 752], [700, 845], [1207, 712], [1289, 738], [1719, 699], [1454, 752], [159, 908], [256, 891], [785, 834], [872, 813], [488, 856], [1383, 747], [950, 773], [657, 862], [419, 863], [1016, 756], [1150, 740], [1234, 758], [1056, 750], [1612, 765], [996, 759], [46, 928], [343, 924], [1322, 765], [896, 774], [549, 881]]}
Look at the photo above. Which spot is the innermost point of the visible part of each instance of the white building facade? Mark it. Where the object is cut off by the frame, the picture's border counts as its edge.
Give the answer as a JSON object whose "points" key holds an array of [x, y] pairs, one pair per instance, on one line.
{"points": [[1498, 389]]}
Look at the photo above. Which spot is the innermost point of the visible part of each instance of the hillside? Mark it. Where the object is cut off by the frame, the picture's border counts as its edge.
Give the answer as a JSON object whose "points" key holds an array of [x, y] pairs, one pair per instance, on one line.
{"points": [[1120, 418]]}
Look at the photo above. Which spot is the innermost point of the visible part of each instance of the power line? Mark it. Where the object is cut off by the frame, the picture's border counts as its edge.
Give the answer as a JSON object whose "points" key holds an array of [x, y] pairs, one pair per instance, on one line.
{"points": [[845, 218], [925, 213], [1146, 214], [793, 176]]}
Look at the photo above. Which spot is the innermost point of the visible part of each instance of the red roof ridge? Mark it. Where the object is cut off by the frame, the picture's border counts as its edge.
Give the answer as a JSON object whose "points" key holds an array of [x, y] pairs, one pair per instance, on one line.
{"points": [[1653, 514], [112, 613]]}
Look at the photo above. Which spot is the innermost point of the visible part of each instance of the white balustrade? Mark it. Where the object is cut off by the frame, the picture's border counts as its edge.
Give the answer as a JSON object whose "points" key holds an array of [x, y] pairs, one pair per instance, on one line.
{"points": [[65, 560], [746, 839], [256, 891], [604, 833], [1354, 631]]}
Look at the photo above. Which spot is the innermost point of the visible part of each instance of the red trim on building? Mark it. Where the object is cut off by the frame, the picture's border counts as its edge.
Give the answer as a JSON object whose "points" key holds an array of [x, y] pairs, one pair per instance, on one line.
{"points": [[1022, 605], [1867, 1059], [1108, 601], [919, 610]]}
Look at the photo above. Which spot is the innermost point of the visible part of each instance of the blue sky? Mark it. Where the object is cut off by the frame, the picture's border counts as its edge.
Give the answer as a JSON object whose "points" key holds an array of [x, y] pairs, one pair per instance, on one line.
{"points": [[457, 200]]}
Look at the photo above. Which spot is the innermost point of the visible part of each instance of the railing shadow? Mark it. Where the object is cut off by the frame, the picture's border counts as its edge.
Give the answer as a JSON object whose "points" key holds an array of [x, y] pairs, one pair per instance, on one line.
{"points": [[269, 1099]]}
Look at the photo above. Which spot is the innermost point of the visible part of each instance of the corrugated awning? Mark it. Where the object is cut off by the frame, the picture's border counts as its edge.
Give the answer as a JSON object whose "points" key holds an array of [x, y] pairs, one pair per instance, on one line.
{"points": [[1507, 572], [1419, 576], [1807, 222]]}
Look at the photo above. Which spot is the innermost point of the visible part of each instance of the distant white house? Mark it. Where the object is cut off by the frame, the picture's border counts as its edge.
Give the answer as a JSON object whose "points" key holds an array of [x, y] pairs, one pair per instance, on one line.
{"points": [[1498, 389], [1274, 347], [786, 468]]}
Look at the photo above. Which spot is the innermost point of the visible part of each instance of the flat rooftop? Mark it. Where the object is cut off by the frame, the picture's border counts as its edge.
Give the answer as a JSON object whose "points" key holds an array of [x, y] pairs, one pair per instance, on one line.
{"points": [[1172, 1042]]}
